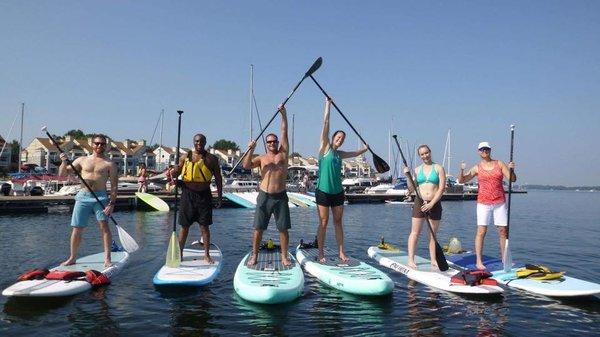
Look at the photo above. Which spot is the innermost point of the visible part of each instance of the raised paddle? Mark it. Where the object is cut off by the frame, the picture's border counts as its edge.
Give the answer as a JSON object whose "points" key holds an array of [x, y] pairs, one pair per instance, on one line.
{"points": [[311, 70], [439, 252], [507, 258], [380, 165], [174, 251], [127, 241]]}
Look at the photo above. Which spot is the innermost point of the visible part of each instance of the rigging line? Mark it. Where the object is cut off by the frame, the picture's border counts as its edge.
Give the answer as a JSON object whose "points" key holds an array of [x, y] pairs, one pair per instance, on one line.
{"points": [[155, 128], [259, 122], [9, 133]]}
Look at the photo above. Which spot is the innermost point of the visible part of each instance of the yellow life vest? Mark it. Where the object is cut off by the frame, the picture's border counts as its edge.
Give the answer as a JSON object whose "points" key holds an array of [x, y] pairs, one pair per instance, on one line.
{"points": [[196, 172], [538, 273]]}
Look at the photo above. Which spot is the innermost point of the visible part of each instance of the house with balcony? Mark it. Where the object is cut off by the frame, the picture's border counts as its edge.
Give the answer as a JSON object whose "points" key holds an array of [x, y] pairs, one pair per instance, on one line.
{"points": [[5, 154]]}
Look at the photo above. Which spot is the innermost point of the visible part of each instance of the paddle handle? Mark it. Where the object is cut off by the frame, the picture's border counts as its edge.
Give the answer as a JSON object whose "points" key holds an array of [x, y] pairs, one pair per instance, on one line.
{"points": [[311, 70], [512, 142], [78, 174]]}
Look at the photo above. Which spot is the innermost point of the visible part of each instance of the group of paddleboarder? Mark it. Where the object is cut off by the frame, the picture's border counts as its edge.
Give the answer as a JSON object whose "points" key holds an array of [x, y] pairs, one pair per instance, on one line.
{"points": [[198, 168]]}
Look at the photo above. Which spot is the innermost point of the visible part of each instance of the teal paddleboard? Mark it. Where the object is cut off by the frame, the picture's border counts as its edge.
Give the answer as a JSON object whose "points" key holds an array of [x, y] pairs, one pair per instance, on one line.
{"points": [[353, 276], [268, 281]]}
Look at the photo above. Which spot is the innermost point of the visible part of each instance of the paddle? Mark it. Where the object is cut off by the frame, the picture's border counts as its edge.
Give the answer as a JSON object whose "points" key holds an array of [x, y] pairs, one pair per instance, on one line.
{"points": [[380, 165], [127, 241], [507, 258], [174, 251], [439, 252], [311, 70]]}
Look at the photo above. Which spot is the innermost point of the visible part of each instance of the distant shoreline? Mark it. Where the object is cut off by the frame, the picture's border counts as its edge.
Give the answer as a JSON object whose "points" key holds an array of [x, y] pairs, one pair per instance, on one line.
{"points": [[561, 188]]}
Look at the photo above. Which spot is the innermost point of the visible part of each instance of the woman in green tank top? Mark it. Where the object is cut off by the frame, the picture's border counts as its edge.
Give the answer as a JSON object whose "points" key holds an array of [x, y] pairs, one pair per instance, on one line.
{"points": [[330, 193]]}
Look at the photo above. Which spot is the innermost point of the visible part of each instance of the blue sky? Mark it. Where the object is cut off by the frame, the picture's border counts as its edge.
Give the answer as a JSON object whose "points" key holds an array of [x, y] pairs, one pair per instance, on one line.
{"points": [[421, 67]]}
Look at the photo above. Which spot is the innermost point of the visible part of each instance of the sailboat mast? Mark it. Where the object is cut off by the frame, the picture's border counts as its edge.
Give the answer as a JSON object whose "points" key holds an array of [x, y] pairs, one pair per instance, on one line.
{"points": [[162, 122], [21, 137], [251, 96], [448, 170]]}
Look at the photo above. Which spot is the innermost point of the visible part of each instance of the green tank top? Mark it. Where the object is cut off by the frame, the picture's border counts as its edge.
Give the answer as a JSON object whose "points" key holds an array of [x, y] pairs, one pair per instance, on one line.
{"points": [[330, 173]]}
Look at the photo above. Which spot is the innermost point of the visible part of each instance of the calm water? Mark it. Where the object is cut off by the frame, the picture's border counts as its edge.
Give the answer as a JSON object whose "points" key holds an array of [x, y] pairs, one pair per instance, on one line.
{"points": [[560, 229]]}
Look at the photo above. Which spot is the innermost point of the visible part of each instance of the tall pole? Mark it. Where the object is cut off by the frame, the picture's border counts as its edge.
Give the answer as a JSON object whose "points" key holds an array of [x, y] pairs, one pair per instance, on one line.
{"points": [[251, 96], [162, 122], [449, 156], [293, 117], [21, 137]]}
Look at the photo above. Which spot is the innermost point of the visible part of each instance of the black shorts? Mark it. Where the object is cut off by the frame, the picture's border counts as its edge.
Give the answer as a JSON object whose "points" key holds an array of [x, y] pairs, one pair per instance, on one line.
{"points": [[272, 203], [434, 214], [329, 200], [195, 207]]}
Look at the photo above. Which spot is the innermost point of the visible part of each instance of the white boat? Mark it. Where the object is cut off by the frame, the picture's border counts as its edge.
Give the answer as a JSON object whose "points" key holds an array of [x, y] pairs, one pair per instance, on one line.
{"points": [[236, 185]]}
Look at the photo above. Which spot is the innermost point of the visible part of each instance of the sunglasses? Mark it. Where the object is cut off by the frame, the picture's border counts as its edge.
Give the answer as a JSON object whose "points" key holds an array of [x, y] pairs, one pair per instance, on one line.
{"points": [[99, 144], [487, 149], [272, 141]]}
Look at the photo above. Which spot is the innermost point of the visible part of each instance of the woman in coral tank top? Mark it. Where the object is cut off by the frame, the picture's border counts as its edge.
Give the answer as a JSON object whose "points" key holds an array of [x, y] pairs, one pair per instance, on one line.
{"points": [[490, 197]]}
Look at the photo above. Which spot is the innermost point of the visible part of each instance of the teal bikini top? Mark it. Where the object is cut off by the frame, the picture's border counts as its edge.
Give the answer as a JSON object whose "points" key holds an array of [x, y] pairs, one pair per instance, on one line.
{"points": [[433, 178]]}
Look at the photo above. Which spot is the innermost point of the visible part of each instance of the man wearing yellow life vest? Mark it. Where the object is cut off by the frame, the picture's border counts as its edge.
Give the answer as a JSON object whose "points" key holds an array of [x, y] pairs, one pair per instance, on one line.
{"points": [[272, 196], [197, 169]]}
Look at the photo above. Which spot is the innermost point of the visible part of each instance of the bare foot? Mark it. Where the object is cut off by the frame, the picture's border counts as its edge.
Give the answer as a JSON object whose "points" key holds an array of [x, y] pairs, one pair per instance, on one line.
{"points": [[411, 264], [343, 257], [69, 262], [208, 259], [251, 260], [107, 263], [480, 266], [285, 261], [322, 259], [434, 266]]}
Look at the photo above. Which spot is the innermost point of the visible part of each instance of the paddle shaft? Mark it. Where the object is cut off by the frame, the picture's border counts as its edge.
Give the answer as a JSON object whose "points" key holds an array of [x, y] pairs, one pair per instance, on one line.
{"points": [[512, 141], [311, 70], [340, 112], [439, 252], [80, 177], [180, 112]]}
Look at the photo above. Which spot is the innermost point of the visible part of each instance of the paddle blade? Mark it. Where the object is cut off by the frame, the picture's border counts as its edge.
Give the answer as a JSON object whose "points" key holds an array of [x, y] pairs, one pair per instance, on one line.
{"points": [[440, 259], [127, 241], [173, 252], [507, 258], [314, 67], [380, 165]]}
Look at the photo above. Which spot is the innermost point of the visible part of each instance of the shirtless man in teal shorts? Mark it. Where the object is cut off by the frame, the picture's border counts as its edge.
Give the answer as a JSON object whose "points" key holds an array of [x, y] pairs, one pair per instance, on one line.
{"points": [[272, 196], [96, 169]]}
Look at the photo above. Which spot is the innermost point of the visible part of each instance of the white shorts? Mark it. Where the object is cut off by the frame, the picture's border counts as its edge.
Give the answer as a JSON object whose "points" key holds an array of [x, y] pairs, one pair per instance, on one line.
{"points": [[484, 213]]}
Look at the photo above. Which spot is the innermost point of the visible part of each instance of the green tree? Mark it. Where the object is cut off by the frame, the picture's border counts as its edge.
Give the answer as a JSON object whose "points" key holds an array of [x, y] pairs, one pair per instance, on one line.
{"points": [[295, 154], [77, 134], [14, 156], [223, 144]]}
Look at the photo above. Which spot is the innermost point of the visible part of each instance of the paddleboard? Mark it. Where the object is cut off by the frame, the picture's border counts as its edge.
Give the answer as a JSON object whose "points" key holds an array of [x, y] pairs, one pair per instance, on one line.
{"points": [[60, 288], [153, 201], [253, 196], [193, 270], [234, 197], [354, 276], [268, 281], [424, 274], [297, 201], [563, 287], [394, 202], [305, 198]]}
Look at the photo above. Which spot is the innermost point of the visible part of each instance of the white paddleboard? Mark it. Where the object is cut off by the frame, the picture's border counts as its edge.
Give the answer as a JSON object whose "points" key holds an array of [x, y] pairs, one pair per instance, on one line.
{"points": [[193, 270], [425, 274], [354, 276], [563, 287], [59, 288]]}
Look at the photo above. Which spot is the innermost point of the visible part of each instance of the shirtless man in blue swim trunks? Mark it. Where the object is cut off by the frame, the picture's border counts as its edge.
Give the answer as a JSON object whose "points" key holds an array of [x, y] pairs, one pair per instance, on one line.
{"points": [[96, 169]]}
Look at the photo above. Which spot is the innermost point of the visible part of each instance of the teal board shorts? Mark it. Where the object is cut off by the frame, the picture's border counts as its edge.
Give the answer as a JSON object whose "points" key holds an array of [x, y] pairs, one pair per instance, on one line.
{"points": [[85, 205]]}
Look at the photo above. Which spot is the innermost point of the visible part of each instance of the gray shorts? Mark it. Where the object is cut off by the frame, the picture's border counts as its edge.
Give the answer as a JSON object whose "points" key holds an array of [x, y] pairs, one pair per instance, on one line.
{"points": [[272, 203]]}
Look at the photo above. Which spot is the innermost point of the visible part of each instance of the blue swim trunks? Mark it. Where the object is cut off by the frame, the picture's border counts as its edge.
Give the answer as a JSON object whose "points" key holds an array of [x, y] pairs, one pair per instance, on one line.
{"points": [[85, 205]]}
